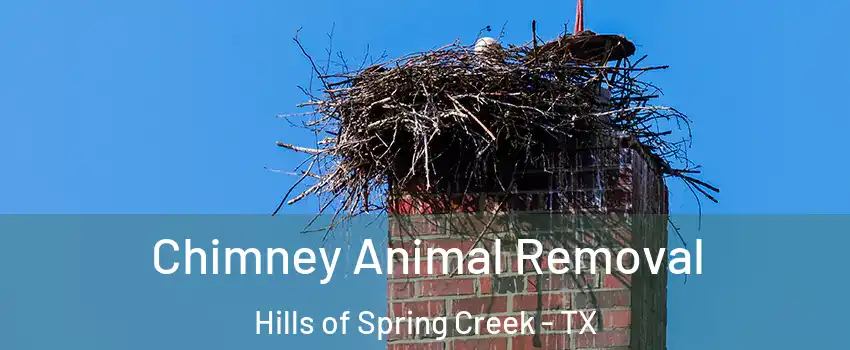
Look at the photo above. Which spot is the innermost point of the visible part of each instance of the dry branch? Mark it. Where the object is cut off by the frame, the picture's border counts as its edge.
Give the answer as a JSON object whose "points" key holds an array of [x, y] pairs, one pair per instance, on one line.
{"points": [[448, 116]]}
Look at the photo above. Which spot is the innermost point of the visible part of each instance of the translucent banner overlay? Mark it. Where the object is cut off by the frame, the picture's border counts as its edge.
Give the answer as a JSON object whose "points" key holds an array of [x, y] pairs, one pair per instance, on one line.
{"points": [[92, 282]]}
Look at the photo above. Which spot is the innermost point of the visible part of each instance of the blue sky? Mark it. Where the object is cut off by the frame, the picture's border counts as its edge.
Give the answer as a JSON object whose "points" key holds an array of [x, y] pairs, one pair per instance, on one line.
{"points": [[169, 106]]}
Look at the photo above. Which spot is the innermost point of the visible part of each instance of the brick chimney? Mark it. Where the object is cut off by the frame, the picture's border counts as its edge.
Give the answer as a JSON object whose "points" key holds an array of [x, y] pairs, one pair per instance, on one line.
{"points": [[606, 178]]}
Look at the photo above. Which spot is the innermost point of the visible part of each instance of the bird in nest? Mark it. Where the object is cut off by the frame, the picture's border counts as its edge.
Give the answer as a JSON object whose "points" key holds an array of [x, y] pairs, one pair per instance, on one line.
{"points": [[489, 50]]}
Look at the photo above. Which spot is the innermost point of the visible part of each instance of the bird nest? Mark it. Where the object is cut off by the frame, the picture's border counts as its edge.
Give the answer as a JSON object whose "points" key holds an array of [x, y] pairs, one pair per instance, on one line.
{"points": [[460, 120]]}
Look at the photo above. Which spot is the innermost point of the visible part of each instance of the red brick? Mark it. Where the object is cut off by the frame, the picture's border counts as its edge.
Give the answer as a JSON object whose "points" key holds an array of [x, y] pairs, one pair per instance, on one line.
{"points": [[618, 198], [628, 261], [533, 284], [478, 306], [481, 344], [559, 322], [483, 294], [412, 226], [417, 346], [543, 262], [408, 205], [429, 308], [508, 284], [473, 262], [402, 206], [547, 341], [603, 339], [555, 341], [400, 290], [616, 318], [445, 287], [616, 282], [400, 333], [398, 268], [435, 204], [515, 326], [463, 204], [486, 284], [602, 299], [523, 342], [556, 282], [622, 237], [549, 301], [589, 238], [463, 245]]}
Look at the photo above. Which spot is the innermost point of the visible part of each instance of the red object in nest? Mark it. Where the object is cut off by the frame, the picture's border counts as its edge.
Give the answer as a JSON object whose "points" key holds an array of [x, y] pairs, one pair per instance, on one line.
{"points": [[579, 17], [585, 45]]}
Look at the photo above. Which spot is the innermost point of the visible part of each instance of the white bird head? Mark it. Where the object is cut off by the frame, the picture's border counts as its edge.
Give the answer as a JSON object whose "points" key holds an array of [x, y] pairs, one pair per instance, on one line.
{"points": [[486, 43]]}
